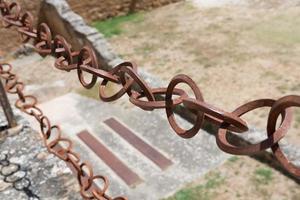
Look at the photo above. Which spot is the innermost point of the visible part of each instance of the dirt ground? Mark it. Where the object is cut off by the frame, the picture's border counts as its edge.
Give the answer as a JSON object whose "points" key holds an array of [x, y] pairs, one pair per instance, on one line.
{"points": [[241, 178], [235, 53]]}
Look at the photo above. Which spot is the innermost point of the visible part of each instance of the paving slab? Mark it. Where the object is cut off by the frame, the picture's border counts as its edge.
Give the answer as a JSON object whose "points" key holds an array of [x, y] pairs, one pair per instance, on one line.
{"points": [[190, 159]]}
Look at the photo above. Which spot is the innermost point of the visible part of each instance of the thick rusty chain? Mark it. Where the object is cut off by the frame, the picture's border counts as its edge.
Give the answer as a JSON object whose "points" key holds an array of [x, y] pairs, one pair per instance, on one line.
{"points": [[53, 140], [125, 74]]}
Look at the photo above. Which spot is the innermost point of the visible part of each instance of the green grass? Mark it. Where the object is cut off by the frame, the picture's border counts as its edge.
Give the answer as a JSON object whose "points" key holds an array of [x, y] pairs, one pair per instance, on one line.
{"points": [[204, 191], [283, 29], [233, 159], [90, 93], [263, 176], [93, 93], [282, 88], [113, 26]]}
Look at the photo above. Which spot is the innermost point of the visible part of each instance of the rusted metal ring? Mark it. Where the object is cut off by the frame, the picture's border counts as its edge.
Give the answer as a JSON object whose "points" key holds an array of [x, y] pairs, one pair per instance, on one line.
{"points": [[45, 127], [12, 15], [126, 87], [281, 105], [43, 43], [236, 123], [20, 93], [151, 105], [26, 31], [61, 151], [53, 139], [11, 83], [63, 53], [30, 101], [74, 160], [4, 9], [18, 86], [145, 89], [87, 51], [100, 193], [169, 106], [2, 70], [85, 183], [228, 147], [34, 111], [14, 11]]}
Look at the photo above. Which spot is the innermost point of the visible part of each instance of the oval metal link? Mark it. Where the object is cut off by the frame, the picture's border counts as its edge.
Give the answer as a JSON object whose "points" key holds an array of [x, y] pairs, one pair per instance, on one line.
{"points": [[280, 106], [157, 104], [30, 101], [169, 106], [145, 89], [228, 147], [217, 115], [43, 43], [26, 31], [63, 53], [90, 54], [126, 86], [12, 16]]}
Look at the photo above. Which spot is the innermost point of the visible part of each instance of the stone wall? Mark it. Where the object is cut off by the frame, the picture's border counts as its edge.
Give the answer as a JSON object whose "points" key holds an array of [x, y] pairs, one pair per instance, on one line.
{"points": [[63, 21], [102, 9]]}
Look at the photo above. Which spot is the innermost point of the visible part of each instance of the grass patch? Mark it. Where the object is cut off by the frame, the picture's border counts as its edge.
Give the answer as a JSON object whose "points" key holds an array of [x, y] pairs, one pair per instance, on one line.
{"points": [[263, 176], [145, 49], [282, 88], [90, 93], [270, 74], [113, 26], [93, 93], [233, 159], [204, 191], [296, 87], [283, 29]]}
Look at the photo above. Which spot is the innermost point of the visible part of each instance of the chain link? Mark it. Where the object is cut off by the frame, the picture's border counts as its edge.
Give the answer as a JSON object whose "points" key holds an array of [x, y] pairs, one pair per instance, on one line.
{"points": [[53, 140], [126, 74]]}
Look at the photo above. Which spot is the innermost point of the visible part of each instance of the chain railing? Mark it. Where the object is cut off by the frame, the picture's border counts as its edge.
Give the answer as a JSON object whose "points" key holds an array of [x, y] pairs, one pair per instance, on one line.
{"points": [[56, 144], [126, 75]]}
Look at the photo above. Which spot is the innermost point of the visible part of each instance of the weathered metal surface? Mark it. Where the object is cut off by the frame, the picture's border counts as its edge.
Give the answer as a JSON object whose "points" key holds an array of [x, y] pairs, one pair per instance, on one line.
{"points": [[159, 159], [56, 144], [130, 178]]}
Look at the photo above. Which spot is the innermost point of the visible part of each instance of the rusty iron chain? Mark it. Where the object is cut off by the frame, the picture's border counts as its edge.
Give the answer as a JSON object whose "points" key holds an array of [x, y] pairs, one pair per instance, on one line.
{"points": [[53, 140], [126, 75]]}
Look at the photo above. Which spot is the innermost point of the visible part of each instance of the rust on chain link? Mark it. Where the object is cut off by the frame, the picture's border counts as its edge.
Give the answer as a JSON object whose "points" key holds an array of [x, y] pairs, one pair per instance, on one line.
{"points": [[126, 74], [53, 139]]}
